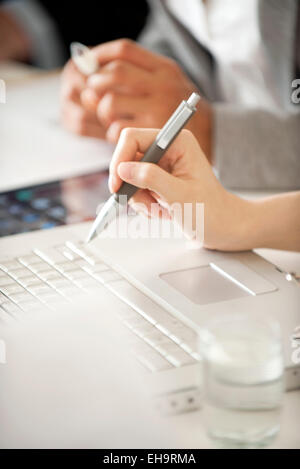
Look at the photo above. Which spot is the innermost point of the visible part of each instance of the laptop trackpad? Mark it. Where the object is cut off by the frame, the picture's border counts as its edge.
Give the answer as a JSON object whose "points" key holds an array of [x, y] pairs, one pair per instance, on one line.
{"points": [[220, 281]]}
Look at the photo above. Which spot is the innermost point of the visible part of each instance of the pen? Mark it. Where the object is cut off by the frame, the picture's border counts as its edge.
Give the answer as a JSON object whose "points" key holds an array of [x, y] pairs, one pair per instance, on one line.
{"points": [[154, 153], [84, 58]]}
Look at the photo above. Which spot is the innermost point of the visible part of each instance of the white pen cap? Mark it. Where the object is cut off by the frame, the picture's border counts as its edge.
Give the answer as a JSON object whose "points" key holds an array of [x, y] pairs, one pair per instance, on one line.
{"points": [[84, 58], [193, 100]]}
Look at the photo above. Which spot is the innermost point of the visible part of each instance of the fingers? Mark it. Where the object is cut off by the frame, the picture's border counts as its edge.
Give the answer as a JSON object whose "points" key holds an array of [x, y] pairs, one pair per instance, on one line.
{"points": [[132, 142], [130, 51], [114, 130], [122, 77], [89, 100], [149, 176], [144, 202], [116, 106], [141, 202], [76, 116], [79, 121], [72, 82]]}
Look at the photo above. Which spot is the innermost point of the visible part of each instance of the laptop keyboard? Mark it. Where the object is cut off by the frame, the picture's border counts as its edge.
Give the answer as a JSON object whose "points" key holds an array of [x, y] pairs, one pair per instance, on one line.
{"points": [[56, 276]]}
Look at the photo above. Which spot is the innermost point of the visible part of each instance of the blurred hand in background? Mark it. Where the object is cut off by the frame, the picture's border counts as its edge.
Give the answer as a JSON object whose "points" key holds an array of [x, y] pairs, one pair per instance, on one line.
{"points": [[133, 88]]}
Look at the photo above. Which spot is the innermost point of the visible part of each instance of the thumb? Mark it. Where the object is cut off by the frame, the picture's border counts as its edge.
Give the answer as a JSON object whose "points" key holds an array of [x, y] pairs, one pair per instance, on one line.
{"points": [[149, 176]]}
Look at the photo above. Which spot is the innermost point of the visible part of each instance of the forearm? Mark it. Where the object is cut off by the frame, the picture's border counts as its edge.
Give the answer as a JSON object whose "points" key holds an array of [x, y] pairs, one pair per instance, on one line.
{"points": [[272, 222]]}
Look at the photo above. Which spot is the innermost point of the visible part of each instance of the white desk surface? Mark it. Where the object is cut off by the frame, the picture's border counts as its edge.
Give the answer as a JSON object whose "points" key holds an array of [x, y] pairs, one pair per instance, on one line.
{"points": [[189, 425], [31, 134]]}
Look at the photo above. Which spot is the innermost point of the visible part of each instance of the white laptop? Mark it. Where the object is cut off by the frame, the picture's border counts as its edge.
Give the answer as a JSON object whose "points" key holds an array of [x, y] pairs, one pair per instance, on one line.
{"points": [[162, 290]]}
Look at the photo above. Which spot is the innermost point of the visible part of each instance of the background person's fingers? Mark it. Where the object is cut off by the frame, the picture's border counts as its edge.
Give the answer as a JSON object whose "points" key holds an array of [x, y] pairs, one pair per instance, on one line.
{"points": [[117, 106], [89, 99], [132, 143], [71, 80], [114, 130], [122, 77], [77, 120], [130, 51]]}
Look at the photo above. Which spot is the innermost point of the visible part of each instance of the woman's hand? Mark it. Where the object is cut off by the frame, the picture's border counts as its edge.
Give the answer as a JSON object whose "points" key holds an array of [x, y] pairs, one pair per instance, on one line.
{"points": [[182, 176]]}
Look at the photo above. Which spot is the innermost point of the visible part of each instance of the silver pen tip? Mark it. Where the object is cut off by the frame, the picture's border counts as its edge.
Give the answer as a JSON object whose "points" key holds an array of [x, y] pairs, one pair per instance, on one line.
{"points": [[90, 237], [107, 213]]}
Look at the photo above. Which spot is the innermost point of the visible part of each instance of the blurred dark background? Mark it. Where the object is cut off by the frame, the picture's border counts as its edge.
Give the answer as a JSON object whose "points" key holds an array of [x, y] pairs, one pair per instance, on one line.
{"points": [[93, 22], [40, 31]]}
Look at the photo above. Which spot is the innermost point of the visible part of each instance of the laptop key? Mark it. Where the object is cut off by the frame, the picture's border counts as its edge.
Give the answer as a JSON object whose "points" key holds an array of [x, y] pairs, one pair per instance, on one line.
{"points": [[189, 346], [70, 291], [20, 273], [137, 300], [83, 252], [9, 265], [6, 280], [10, 308], [48, 296], [50, 255], [76, 274], [31, 306], [30, 281], [155, 337], [94, 269], [30, 259], [107, 276], [180, 333], [3, 298], [167, 348], [20, 297], [142, 329], [10, 289], [154, 361], [135, 322], [86, 283], [39, 267], [48, 275], [64, 267], [59, 282], [168, 323], [37, 289], [67, 253], [180, 358]]}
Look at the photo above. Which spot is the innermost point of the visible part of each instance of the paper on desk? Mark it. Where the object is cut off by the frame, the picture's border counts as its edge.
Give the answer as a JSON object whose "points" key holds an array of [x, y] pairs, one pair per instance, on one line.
{"points": [[34, 147]]}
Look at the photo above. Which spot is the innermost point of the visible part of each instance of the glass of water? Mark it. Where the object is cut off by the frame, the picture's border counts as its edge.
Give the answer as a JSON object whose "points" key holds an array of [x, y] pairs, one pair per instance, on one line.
{"points": [[243, 380]]}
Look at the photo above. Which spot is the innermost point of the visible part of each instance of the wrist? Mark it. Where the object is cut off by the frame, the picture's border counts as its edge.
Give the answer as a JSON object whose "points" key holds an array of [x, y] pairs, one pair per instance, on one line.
{"points": [[250, 225], [239, 232]]}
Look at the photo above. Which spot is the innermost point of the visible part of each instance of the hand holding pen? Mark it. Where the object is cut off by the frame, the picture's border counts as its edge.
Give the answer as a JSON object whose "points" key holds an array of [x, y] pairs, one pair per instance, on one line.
{"points": [[152, 154]]}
